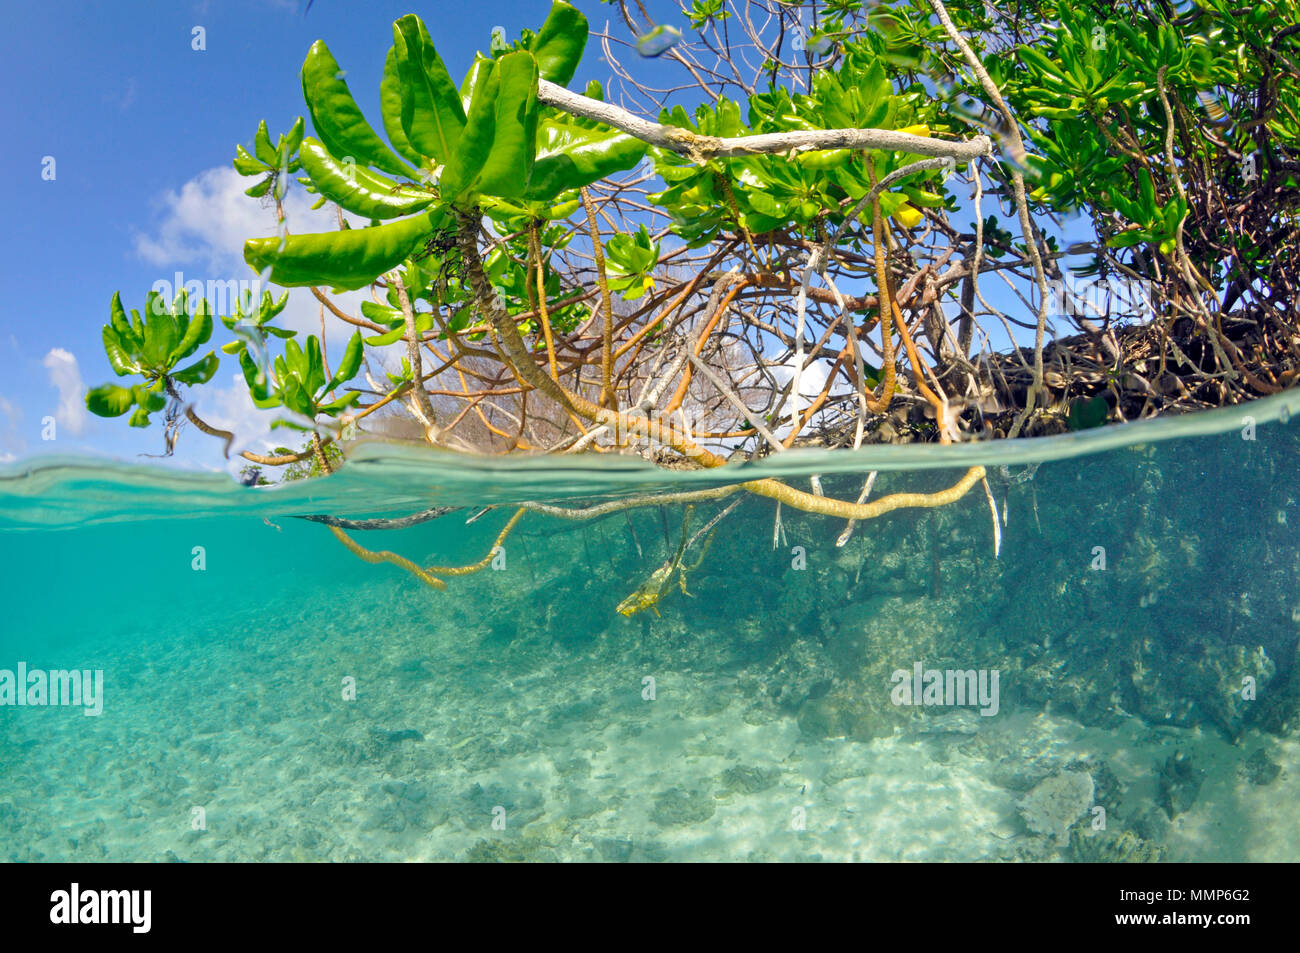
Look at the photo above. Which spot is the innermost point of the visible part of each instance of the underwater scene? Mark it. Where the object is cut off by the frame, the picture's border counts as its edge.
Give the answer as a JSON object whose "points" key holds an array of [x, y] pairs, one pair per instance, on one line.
{"points": [[1105, 670]]}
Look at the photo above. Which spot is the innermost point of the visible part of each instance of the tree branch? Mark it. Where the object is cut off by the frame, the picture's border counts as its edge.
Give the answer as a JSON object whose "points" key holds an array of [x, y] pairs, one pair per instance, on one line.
{"points": [[702, 148]]}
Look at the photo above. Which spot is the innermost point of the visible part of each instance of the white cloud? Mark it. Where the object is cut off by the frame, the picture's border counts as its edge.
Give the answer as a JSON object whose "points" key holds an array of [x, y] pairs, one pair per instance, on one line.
{"points": [[811, 382], [200, 231], [11, 438], [232, 409], [124, 98], [206, 223], [203, 226], [65, 376]]}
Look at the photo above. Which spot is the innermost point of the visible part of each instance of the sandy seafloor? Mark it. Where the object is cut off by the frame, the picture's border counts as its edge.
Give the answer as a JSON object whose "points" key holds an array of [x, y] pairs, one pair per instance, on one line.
{"points": [[242, 715]]}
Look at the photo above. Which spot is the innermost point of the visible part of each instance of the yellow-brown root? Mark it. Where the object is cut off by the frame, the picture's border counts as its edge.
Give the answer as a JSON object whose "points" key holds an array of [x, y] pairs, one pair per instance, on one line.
{"points": [[486, 560], [385, 556]]}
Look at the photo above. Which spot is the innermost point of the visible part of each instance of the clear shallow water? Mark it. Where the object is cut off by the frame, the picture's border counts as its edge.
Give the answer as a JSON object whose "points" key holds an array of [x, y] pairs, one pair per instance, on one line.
{"points": [[1142, 621]]}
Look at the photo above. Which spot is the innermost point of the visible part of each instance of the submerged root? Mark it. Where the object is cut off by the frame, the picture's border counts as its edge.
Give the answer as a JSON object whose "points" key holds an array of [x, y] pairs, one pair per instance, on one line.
{"points": [[782, 493], [774, 489], [386, 556], [827, 506], [635, 502], [486, 560], [430, 575]]}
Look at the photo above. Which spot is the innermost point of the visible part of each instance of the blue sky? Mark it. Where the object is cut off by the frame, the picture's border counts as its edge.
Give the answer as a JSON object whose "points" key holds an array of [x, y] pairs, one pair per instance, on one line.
{"points": [[141, 128]]}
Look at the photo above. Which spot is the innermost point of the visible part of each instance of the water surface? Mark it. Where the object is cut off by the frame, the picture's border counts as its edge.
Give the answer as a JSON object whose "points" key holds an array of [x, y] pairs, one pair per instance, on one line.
{"points": [[1141, 618]]}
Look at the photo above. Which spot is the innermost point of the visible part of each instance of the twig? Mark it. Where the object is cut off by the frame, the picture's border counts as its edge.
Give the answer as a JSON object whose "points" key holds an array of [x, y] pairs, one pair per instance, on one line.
{"points": [[727, 392], [632, 529], [993, 508], [713, 522], [420, 402], [1018, 159], [862, 498]]}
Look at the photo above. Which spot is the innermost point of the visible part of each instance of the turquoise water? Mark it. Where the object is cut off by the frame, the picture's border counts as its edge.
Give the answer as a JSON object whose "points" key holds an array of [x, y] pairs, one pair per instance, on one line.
{"points": [[266, 695]]}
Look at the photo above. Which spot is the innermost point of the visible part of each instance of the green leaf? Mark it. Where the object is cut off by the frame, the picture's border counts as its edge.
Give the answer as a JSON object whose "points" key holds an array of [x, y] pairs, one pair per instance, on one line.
{"points": [[923, 198], [462, 168], [260, 392], [200, 372], [294, 139], [404, 376], [262, 146], [295, 362], [148, 396], [380, 313], [336, 116], [123, 363], [1040, 62], [160, 334], [1147, 196], [559, 45], [357, 189], [432, 115], [560, 209], [478, 71], [379, 340], [570, 157], [350, 363], [1127, 239], [335, 406], [514, 129], [117, 318], [109, 400], [765, 204], [245, 164], [314, 379], [197, 332], [390, 106], [347, 259], [296, 398], [1173, 215]]}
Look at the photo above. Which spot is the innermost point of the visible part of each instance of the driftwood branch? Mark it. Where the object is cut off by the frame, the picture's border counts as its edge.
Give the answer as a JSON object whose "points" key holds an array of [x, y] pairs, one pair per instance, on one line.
{"points": [[702, 148]]}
